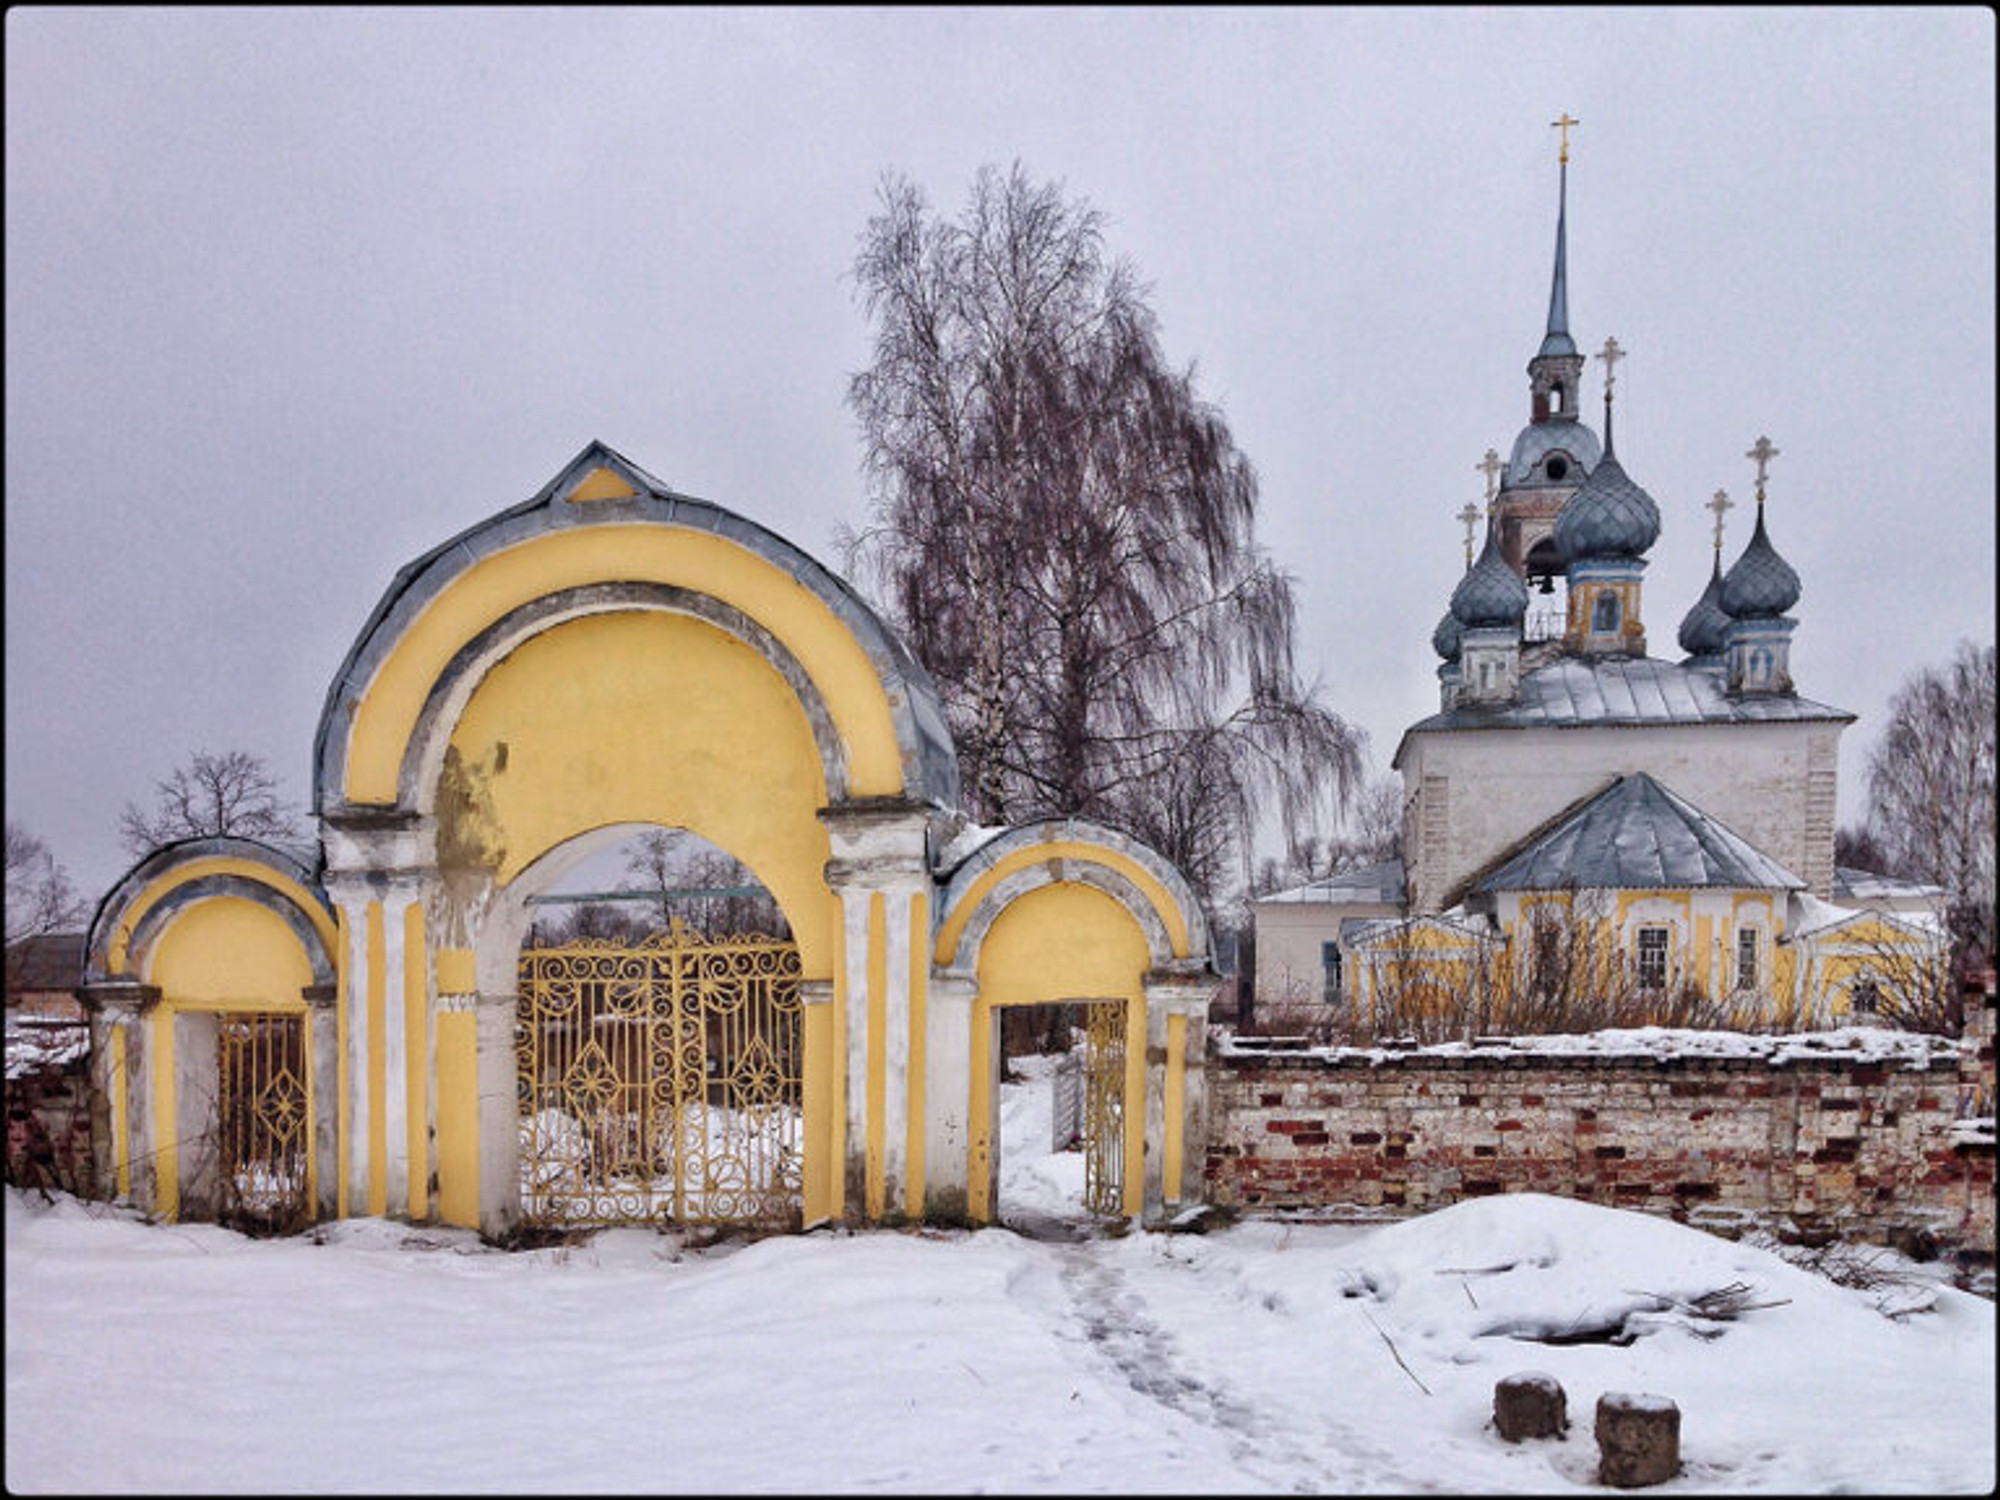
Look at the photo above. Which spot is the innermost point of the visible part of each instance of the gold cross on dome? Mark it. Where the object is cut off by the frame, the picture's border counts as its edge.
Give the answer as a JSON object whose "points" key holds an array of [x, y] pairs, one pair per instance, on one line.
{"points": [[1763, 452], [1490, 466], [1564, 124], [1610, 354], [1470, 516], [1719, 504]]}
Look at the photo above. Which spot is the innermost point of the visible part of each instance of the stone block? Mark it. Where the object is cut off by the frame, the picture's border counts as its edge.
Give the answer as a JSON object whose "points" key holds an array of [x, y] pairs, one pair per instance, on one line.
{"points": [[1638, 1439], [1530, 1405]]}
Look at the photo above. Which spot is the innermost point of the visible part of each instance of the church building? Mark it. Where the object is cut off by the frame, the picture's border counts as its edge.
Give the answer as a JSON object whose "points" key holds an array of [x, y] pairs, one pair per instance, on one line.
{"points": [[1678, 814]]}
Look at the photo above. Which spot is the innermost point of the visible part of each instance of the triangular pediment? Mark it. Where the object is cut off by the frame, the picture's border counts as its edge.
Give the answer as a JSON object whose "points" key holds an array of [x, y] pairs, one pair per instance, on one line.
{"points": [[601, 473]]}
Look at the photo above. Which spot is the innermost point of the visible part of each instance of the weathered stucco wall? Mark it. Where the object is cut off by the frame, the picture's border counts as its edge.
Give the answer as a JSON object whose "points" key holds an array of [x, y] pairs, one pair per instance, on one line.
{"points": [[1856, 1142]]}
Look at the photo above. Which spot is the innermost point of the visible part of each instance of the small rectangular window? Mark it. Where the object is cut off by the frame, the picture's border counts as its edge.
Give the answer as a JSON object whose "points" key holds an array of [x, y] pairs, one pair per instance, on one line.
{"points": [[1652, 958], [1746, 958], [1329, 959]]}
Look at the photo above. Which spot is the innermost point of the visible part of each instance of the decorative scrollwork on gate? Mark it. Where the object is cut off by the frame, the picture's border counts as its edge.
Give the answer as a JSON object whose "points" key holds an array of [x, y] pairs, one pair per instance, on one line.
{"points": [[661, 1081], [261, 1120], [1104, 1107]]}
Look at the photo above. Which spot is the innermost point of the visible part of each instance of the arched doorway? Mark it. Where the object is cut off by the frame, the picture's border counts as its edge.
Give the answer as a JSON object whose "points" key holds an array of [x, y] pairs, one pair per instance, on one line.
{"points": [[659, 1041]]}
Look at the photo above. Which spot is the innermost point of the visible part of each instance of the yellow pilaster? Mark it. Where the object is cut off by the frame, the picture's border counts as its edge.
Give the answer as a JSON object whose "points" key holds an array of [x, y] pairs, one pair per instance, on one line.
{"points": [[920, 966], [378, 1064], [341, 1125], [818, 1105], [1176, 1096], [458, 1117], [1135, 1105], [416, 1065], [878, 1052], [979, 1155]]}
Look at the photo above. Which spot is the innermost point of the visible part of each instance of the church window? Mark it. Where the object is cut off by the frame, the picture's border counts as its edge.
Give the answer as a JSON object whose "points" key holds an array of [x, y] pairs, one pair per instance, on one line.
{"points": [[1604, 612], [1555, 406], [1652, 958], [1329, 959], [1558, 466], [1746, 958]]}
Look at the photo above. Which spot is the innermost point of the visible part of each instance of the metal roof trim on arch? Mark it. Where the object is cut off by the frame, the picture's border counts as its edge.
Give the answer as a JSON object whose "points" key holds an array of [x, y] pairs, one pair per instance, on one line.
{"points": [[915, 707], [961, 884], [222, 852]]}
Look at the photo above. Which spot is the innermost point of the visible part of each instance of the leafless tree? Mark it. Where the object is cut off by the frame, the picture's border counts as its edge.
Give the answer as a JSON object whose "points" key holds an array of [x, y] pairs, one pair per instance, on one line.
{"points": [[231, 793], [1065, 531], [1931, 793], [706, 888], [40, 897]]}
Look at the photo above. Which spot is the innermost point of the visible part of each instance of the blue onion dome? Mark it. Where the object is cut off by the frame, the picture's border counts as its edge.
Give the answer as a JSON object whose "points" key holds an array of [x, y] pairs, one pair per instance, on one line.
{"points": [[1492, 594], [1609, 516], [1707, 624], [1445, 639], [1760, 585]]}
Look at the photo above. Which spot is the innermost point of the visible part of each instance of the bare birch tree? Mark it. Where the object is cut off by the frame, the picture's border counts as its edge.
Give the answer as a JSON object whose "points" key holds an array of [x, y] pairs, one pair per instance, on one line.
{"points": [[1066, 532], [1931, 793], [232, 793]]}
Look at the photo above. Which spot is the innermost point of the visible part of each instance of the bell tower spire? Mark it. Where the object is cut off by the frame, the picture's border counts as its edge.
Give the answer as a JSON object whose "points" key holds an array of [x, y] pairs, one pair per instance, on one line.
{"points": [[1557, 340]]}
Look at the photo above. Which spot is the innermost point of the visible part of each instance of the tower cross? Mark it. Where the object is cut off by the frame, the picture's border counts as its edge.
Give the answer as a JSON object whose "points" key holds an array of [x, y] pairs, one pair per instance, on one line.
{"points": [[1470, 516], [1564, 124], [1763, 452], [1490, 466], [1719, 504], [1610, 354]]}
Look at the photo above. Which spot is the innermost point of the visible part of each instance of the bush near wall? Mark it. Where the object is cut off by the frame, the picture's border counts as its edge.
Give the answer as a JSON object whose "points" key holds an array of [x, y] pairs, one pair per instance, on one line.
{"points": [[48, 1104], [1869, 1134]]}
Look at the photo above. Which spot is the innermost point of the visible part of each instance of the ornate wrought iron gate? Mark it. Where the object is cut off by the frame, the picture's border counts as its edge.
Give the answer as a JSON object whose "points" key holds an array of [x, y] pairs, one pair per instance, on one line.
{"points": [[261, 1115], [1104, 1107], [660, 1082]]}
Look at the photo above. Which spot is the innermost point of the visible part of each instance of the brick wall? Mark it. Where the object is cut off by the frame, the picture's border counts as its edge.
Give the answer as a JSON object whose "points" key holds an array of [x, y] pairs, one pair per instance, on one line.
{"points": [[1847, 1132]]}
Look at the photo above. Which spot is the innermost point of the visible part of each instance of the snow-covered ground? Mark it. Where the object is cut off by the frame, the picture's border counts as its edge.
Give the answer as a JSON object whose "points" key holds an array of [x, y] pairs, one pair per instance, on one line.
{"points": [[1267, 1356]]}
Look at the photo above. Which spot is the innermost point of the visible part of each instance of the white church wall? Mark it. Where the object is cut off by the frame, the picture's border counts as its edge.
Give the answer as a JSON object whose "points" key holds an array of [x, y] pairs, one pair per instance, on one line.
{"points": [[1481, 793]]}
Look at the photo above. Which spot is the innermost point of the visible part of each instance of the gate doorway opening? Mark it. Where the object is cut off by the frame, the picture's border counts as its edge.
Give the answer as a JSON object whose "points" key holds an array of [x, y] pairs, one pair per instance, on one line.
{"points": [[262, 1136], [659, 1046], [1061, 1140]]}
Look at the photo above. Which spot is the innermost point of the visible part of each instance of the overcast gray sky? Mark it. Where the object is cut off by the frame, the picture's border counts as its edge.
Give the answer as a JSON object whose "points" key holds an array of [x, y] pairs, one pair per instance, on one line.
{"points": [[294, 295]]}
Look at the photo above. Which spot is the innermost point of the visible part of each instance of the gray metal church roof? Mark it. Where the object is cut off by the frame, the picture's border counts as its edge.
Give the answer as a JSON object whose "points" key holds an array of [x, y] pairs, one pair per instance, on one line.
{"points": [[1574, 693], [1638, 835]]}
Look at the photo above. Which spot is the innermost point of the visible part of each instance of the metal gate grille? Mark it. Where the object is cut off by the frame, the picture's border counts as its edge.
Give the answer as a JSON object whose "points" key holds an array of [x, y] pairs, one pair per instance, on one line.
{"points": [[1104, 1107], [261, 1118], [660, 1082]]}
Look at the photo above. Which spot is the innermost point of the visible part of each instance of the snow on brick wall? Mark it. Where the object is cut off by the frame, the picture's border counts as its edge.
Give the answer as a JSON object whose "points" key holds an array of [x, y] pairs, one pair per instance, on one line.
{"points": [[1863, 1138]]}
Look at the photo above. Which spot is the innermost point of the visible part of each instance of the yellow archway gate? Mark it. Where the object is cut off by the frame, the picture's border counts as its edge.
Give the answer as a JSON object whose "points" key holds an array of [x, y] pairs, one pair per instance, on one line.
{"points": [[612, 654]]}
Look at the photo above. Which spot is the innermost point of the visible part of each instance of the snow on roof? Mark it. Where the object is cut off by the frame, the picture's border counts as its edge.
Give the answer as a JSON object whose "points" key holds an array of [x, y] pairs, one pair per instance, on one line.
{"points": [[1864, 886], [1572, 693], [1816, 915], [1638, 835], [1380, 883], [1659, 1043]]}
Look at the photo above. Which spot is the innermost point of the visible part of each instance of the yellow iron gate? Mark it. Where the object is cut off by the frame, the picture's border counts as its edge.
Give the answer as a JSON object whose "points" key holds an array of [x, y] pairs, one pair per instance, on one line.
{"points": [[661, 1082], [262, 1140], [1104, 1107]]}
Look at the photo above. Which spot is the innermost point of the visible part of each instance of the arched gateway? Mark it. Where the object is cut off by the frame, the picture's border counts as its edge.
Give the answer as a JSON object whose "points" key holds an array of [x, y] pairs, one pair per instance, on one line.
{"points": [[606, 656]]}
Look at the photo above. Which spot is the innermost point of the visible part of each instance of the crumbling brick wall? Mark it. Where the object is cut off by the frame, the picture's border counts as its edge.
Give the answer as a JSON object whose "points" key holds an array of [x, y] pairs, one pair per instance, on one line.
{"points": [[1825, 1134]]}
